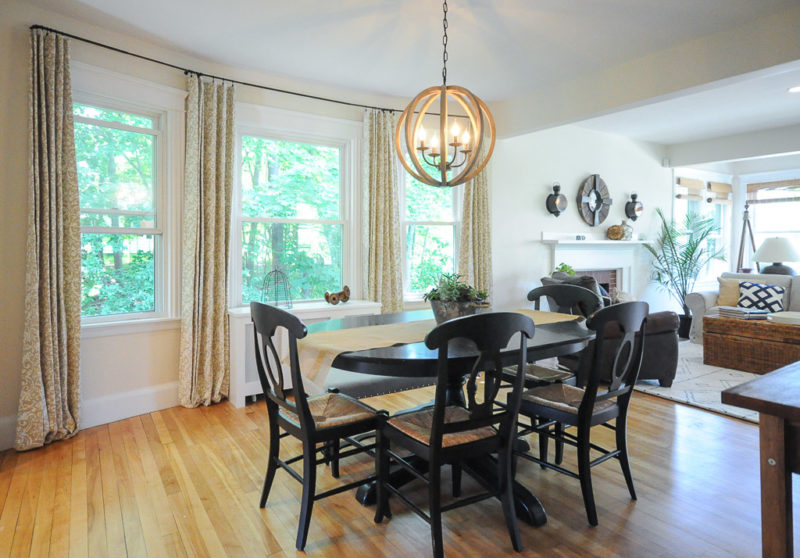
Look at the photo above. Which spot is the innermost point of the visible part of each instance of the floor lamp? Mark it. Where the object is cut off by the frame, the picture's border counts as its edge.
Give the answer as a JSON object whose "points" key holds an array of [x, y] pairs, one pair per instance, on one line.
{"points": [[747, 230]]}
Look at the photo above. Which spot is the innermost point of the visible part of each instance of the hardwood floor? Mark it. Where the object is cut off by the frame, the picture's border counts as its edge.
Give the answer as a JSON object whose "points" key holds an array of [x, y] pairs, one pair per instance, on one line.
{"points": [[186, 482]]}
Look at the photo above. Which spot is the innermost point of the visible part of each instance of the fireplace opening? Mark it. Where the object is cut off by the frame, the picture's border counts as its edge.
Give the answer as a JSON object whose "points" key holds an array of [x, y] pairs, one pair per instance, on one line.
{"points": [[607, 278]]}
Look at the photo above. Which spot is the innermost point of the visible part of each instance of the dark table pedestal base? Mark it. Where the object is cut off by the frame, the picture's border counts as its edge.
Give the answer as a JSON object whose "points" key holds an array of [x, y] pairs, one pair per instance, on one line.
{"points": [[529, 508]]}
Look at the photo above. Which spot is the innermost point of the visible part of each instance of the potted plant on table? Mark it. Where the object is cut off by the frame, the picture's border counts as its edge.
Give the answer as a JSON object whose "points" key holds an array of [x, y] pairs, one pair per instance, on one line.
{"points": [[679, 255], [452, 298]]}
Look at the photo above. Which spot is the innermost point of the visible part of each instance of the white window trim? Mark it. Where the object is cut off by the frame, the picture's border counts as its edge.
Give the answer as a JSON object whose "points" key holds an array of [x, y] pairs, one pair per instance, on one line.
{"points": [[410, 299], [280, 124], [105, 88]]}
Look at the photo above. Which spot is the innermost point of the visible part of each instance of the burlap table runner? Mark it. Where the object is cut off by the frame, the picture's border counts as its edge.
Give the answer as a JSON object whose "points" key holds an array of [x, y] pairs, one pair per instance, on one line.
{"points": [[318, 350]]}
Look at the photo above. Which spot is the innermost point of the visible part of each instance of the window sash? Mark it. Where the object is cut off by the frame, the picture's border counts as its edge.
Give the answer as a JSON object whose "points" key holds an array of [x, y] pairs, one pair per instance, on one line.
{"points": [[403, 178], [159, 208], [277, 125]]}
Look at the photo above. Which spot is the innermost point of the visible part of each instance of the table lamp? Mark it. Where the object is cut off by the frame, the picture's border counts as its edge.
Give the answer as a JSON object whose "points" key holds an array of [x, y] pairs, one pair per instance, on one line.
{"points": [[777, 250]]}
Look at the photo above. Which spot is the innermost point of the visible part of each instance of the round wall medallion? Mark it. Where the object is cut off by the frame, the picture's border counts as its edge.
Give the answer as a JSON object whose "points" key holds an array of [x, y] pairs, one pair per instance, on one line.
{"points": [[594, 201]]}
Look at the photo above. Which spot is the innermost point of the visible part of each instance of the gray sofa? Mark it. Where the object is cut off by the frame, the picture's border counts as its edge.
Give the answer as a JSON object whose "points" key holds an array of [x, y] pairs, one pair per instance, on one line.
{"points": [[705, 302]]}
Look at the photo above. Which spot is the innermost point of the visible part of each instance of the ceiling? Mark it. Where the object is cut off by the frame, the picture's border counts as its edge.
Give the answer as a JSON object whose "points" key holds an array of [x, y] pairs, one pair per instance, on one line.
{"points": [[501, 50], [755, 101]]}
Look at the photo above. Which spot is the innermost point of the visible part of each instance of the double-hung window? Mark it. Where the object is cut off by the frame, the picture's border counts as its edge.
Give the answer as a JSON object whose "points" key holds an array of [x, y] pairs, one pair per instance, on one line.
{"points": [[121, 201], [296, 209], [291, 217], [429, 232]]}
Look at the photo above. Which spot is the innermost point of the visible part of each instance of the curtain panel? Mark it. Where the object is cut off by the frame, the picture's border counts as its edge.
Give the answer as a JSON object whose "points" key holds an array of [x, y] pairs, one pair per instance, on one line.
{"points": [[204, 372], [384, 265], [50, 380], [475, 247]]}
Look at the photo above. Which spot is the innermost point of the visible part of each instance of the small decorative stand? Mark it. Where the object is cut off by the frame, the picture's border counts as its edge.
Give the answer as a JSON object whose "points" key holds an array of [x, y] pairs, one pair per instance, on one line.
{"points": [[277, 290]]}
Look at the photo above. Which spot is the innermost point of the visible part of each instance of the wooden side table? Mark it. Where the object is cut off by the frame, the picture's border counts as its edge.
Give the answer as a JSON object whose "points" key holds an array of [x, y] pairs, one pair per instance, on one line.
{"points": [[758, 346], [776, 396]]}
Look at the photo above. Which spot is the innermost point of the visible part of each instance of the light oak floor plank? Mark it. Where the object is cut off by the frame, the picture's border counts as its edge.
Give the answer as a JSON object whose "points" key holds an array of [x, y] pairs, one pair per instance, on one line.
{"points": [[186, 482]]}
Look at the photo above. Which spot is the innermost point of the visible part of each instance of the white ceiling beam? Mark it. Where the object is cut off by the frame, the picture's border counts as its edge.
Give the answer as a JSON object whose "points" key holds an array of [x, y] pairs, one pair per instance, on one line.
{"points": [[673, 72]]}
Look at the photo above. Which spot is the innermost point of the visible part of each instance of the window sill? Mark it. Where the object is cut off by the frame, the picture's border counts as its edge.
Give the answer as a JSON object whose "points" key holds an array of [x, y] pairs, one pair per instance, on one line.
{"points": [[416, 304], [107, 329]]}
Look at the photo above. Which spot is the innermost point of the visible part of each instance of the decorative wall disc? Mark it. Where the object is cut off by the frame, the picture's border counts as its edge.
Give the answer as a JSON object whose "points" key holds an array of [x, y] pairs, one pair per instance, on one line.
{"points": [[594, 200]]}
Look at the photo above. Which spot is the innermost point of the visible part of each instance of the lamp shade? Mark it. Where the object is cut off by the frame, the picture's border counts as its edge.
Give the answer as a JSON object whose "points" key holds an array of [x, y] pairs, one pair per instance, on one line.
{"points": [[777, 249]]}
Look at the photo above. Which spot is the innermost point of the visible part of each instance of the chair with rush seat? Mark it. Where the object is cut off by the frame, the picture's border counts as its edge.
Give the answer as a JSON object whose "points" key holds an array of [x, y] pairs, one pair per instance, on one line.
{"points": [[454, 431], [553, 407], [323, 419]]}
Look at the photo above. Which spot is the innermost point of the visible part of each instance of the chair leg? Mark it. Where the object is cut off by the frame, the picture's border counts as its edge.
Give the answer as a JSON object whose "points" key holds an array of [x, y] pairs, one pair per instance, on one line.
{"points": [[309, 486], [585, 473], [622, 446], [559, 443], [435, 500], [382, 474], [334, 457], [456, 468], [506, 478], [543, 439], [272, 457]]}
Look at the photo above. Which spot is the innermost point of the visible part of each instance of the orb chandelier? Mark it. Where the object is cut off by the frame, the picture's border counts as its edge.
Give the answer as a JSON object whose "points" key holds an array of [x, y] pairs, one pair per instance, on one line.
{"points": [[456, 152]]}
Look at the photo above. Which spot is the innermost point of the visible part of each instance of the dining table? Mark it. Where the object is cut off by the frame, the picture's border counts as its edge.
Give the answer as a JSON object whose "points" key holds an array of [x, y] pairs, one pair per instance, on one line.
{"points": [[330, 344]]}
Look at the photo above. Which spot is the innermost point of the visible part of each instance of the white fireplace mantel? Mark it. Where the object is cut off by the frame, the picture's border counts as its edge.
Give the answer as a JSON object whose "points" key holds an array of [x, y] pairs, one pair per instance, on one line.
{"points": [[593, 253]]}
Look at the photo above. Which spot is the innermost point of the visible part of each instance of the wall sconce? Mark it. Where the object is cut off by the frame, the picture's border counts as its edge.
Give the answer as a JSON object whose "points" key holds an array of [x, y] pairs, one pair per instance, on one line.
{"points": [[634, 208], [556, 202]]}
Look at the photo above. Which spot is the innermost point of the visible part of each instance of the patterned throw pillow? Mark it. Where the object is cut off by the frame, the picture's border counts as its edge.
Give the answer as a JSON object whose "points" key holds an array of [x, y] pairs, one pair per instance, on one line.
{"points": [[763, 297]]}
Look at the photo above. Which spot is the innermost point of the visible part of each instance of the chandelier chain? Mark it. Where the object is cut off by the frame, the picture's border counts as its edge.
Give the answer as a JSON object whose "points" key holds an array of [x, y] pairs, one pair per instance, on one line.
{"points": [[444, 42]]}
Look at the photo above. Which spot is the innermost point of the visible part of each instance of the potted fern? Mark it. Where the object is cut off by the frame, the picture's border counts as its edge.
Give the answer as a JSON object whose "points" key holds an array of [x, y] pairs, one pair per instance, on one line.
{"points": [[680, 252], [452, 298]]}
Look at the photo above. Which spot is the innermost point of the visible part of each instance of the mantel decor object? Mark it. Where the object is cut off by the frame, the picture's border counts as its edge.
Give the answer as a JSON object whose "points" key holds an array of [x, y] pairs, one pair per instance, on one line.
{"points": [[455, 153], [335, 298], [594, 201], [615, 232], [634, 208], [556, 202]]}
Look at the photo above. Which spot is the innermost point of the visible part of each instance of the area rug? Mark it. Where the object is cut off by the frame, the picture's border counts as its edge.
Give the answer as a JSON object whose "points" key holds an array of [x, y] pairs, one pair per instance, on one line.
{"points": [[700, 385]]}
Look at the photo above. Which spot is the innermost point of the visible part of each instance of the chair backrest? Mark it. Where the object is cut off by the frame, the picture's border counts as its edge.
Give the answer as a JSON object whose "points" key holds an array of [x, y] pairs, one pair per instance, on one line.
{"points": [[266, 321], [624, 322], [567, 299], [489, 333]]}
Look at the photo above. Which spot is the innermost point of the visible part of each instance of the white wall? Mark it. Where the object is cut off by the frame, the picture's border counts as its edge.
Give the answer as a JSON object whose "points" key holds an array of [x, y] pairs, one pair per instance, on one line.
{"points": [[522, 173]]}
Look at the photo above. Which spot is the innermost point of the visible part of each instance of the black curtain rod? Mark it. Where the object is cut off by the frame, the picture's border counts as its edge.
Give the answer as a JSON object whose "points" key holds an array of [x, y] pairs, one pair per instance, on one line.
{"points": [[190, 71]]}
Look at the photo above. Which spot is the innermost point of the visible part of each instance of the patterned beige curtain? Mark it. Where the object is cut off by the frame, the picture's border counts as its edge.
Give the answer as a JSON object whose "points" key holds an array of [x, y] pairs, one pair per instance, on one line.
{"points": [[384, 266], [49, 395], [475, 250], [204, 373]]}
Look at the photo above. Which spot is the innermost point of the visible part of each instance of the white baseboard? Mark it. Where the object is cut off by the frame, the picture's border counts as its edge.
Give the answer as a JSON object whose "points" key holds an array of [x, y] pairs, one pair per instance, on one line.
{"points": [[8, 429], [109, 408]]}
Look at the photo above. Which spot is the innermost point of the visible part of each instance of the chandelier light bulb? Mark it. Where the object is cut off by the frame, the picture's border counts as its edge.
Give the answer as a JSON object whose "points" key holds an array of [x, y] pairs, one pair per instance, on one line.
{"points": [[454, 131]]}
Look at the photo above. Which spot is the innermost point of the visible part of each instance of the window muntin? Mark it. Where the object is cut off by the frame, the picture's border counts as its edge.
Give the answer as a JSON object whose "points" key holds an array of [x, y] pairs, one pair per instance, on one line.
{"points": [[121, 239], [430, 234], [291, 216], [775, 218]]}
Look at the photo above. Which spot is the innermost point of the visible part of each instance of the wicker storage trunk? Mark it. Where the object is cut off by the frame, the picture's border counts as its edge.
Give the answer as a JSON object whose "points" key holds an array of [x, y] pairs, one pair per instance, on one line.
{"points": [[758, 346]]}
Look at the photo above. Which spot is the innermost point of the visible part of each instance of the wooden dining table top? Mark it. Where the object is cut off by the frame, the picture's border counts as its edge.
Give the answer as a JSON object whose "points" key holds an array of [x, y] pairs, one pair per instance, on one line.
{"points": [[416, 360]]}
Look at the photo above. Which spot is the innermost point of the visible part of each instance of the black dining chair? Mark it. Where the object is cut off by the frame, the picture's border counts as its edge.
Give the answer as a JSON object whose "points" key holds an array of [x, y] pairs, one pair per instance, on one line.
{"points": [[565, 299], [452, 432], [551, 408], [321, 419]]}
